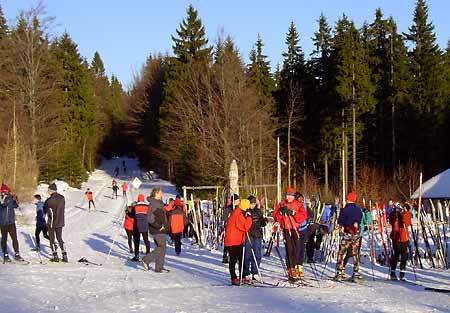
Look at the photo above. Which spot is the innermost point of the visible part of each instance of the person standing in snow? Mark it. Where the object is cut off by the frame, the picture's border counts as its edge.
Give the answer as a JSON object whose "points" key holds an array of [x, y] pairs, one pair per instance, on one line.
{"points": [[158, 228], [8, 223], [231, 205], [290, 214], [115, 189], [140, 226], [400, 219], [349, 223], [40, 222], [116, 171], [128, 225], [253, 242], [124, 189], [54, 208], [90, 198], [305, 230], [176, 213], [238, 224]]}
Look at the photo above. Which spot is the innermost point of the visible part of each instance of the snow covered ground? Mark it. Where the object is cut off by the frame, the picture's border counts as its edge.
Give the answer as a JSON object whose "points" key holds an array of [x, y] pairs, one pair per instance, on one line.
{"points": [[197, 282]]}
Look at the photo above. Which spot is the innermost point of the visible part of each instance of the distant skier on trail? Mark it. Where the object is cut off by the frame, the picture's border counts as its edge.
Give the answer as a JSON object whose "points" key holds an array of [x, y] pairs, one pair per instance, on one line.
{"points": [[124, 189], [116, 171], [158, 227], [400, 219], [8, 223], [349, 223], [115, 189], [40, 222], [124, 167], [239, 222], [90, 198], [140, 226], [54, 208]]}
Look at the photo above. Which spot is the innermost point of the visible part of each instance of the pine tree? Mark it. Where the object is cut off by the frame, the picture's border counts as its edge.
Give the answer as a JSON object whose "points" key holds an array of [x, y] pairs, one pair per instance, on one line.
{"points": [[259, 72], [3, 24], [191, 43], [97, 65]]}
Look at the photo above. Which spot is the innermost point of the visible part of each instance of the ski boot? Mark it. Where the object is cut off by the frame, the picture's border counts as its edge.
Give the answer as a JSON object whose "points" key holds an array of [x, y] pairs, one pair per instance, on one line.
{"points": [[55, 258], [6, 258], [18, 258], [340, 276], [292, 275], [235, 282], [36, 249], [64, 257], [256, 278], [245, 281], [135, 258], [299, 271], [402, 276], [356, 277], [393, 276]]}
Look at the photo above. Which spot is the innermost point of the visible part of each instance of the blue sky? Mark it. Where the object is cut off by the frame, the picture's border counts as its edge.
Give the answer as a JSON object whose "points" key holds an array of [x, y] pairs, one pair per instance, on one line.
{"points": [[125, 32]]}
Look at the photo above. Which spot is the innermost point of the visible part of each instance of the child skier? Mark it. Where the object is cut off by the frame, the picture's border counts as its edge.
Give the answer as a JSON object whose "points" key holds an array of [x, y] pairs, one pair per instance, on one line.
{"points": [[239, 222], [177, 221], [90, 198], [41, 225], [124, 189], [128, 225]]}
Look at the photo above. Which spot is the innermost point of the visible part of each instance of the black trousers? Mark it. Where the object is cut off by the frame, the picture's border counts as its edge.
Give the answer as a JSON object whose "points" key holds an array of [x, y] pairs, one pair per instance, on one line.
{"points": [[37, 234], [130, 238], [235, 253], [137, 241], [177, 241], [56, 232], [11, 230], [93, 204], [291, 244], [400, 252]]}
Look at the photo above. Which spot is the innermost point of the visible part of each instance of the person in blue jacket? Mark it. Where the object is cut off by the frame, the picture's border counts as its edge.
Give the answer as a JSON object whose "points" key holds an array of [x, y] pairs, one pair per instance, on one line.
{"points": [[41, 224]]}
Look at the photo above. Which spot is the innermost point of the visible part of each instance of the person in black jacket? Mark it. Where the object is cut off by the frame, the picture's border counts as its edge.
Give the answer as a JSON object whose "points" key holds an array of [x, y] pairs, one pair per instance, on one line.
{"points": [[40, 222], [253, 240], [8, 204], [158, 228], [54, 208]]}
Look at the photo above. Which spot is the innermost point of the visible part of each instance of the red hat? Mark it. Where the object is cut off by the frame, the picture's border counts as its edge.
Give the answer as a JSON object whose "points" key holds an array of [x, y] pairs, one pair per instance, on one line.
{"points": [[351, 197], [4, 188], [290, 191], [141, 197]]}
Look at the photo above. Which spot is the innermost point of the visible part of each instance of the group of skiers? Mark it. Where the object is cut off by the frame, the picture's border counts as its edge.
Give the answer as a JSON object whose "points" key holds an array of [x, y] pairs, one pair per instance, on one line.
{"points": [[154, 217], [49, 220]]}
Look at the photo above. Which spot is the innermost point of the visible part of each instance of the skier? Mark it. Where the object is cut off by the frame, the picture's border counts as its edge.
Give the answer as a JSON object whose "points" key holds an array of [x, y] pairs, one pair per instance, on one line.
{"points": [[239, 222], [227, 210], [8, 223], [177, 220], [116, 171], [349, 223], [306, 228], [54, 208], [40, 222], [124, 189], [140, 226], [115, 189], [290, 213], [400, 219], [124, 167], [90, 198], [253, 240], [158, 227], [114, 183], [128, 225]]}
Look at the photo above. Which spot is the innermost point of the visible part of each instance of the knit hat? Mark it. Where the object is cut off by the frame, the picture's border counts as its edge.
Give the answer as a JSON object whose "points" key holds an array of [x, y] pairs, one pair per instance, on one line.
{"points": [[351, 197], [252, 199], [290, 191], [244, 205], [140, 197], [4, 188], [52, 187]]}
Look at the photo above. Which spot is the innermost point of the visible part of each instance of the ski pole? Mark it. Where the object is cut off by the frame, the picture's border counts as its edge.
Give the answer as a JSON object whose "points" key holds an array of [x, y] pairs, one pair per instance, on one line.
{"points": [[115, 235], [254, 258], [37, 250], [241, 271]]}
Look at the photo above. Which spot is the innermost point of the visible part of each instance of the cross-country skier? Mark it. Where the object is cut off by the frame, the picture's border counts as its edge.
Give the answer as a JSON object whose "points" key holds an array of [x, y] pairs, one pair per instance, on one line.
{"points": [[8, 223], [90, 198], [140, 226], [115, 189], [54, 208], [253, 241], [158, 227], [40, 222], [176, 213], [305, 230], [290, 213], [239, 222], [128, 225], [349, 222], [400, 219], [231, 204], [124, 189], [116, 171]]}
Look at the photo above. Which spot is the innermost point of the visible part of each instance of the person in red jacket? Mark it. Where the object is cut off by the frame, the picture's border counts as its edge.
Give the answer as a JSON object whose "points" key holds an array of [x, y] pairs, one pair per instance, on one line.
{"points": [[290, 213], [90, 198], [176, 213], [124, 189], [128, 225], [400, 219], [239, 222]]}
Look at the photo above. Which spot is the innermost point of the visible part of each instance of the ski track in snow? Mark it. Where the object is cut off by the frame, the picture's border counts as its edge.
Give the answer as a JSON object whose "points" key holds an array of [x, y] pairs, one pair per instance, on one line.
{"points": [[197, 282]]}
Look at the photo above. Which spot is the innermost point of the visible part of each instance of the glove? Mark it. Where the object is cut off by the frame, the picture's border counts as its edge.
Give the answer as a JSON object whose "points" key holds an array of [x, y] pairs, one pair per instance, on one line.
{"points": [[248, 214], [284, 210]]}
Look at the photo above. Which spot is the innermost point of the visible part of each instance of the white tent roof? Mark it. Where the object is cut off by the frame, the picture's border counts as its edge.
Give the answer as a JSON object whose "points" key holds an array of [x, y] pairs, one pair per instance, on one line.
{"points": [[437, 187]]}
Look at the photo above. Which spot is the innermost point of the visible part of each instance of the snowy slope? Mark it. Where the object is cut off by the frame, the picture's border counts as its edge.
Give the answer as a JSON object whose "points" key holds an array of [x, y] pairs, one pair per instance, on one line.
{"points": [[197, 282]]}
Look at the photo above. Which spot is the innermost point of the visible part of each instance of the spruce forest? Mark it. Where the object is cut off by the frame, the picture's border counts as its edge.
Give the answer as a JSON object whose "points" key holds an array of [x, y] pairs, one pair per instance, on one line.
{"points": [[371, 98]]}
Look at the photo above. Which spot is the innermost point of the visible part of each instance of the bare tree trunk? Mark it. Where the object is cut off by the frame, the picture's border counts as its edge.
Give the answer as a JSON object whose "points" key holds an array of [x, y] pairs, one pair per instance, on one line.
{"points": [[15, 146], [354, 126], [393, 108], [326, 175]]}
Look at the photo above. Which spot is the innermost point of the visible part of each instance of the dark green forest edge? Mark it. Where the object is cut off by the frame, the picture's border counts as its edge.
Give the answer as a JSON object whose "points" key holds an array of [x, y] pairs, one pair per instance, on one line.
{"points": [[376, 95]]}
